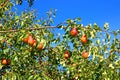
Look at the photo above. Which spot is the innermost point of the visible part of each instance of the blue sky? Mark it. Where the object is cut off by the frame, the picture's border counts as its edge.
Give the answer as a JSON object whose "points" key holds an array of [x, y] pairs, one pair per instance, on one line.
{"points": [[91, 11]]}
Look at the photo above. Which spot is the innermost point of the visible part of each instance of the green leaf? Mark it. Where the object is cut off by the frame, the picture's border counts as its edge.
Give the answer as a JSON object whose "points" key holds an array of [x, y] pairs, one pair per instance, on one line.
{"points": [[6, 50], [96, 27], [44, 42], [30, 77], [78, 19], [1, 37], [111, 66], [69, 21], [14, 76], [115, 33], [16, 17], [38, 20], [93, 56], [117, 62], [98, 41], [106, 26], [51, 35], [36, 77], [23, 31], [91, 33], [108, 37], [22, 23]]}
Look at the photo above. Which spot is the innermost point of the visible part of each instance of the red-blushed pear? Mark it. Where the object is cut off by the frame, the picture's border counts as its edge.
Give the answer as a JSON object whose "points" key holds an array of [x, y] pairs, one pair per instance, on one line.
{"points": [[30, 40], [35, 43], [4, 61], [85, 54], [83, 39], [66, 54], [25, 40], [40, 46], [74, 31]]}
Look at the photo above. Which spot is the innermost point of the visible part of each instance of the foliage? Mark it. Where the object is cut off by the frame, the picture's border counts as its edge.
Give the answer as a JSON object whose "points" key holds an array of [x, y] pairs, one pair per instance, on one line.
{"points": [[28, 62], [19, 2]]}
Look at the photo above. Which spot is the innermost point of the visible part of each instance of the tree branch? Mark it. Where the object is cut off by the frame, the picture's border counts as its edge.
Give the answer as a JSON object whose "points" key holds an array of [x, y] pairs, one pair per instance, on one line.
{"points": [[7, 31], [58, 26]]}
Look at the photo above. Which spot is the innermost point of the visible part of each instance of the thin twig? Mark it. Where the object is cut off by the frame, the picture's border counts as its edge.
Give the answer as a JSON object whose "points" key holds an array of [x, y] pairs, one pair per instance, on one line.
{"points": [[28, 29]]}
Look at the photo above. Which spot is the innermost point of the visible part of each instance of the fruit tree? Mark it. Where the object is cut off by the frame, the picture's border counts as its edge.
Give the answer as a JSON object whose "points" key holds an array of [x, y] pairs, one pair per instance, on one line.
{"points": [[32, 49]]}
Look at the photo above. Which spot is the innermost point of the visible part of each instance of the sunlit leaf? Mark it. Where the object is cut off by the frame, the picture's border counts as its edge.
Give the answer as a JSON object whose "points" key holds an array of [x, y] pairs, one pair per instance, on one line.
{"points": [[106, 26]]}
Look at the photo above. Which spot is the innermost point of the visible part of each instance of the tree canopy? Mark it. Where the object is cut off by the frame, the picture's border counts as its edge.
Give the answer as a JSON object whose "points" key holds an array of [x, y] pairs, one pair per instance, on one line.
{"points": [[31, 48]]}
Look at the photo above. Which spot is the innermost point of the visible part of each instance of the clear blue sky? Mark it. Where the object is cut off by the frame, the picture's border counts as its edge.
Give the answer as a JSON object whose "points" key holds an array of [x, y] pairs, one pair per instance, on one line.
{"points": [[91, 11]]}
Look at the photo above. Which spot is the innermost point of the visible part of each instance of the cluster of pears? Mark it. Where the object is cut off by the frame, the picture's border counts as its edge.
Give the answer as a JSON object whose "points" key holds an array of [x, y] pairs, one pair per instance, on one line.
{"points": [[32, 42], [83, 40]]}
